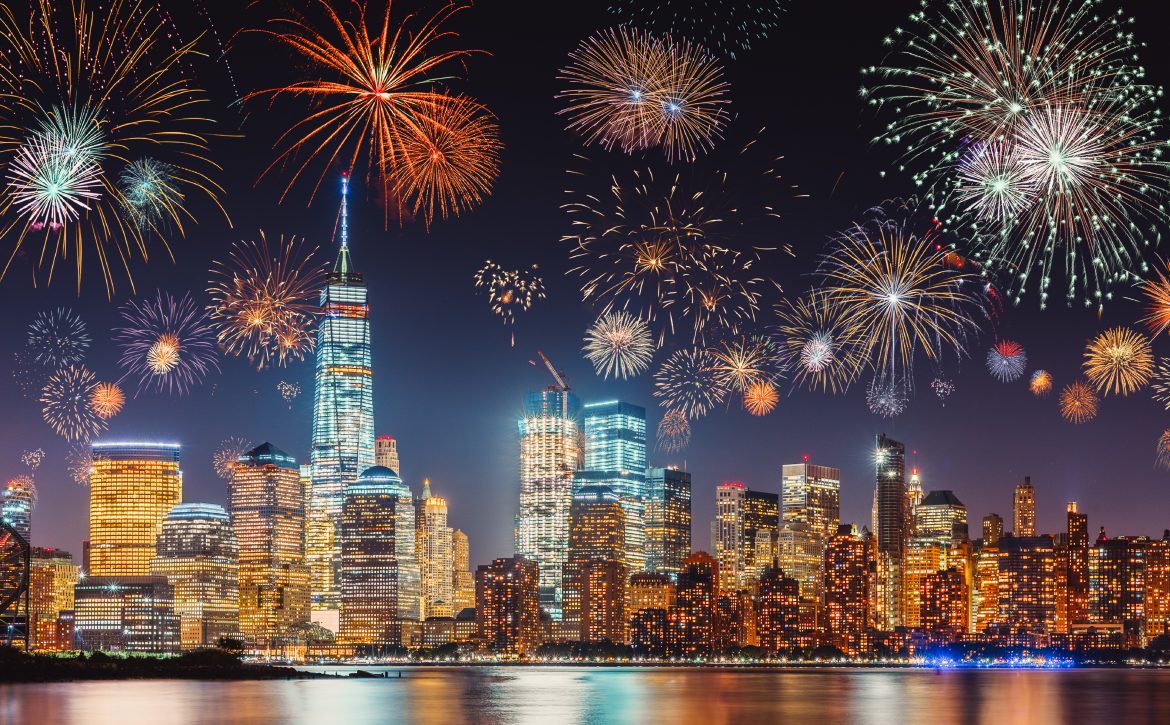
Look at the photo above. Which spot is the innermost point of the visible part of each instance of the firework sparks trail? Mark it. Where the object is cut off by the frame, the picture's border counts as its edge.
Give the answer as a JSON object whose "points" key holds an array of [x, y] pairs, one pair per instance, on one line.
{"points": [[688, 381], [674, 431], [226, 454], [619, 344], [58, 338], [1119, 361], [167, 344], [509, 291]]}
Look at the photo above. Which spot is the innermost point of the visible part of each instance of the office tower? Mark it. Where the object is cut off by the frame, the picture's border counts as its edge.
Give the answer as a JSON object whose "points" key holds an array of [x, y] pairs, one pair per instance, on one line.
{"points": [[992, 529], [914, 496], [1024, 509], [847, 591], [940, 516], [985, 590], [650, 632], [16, 505], [550, 454], [889, 527], [131, 489], [761, 521], [649, 590], [945, 604], [668, 519], [1027, 584], [386, 453], [379, 577], [1077, 566], [694, 616], [596, 534], [741, 516], [268, 513], [1157, 597], [436, 556], [615, 456], [603, 601], [507, 605], [920, 559], [52, 576], [343, 414], [128, 613], [800, 552], [462, 580], [811, 494], [1117, 584], [198, 554], [778, 613]]}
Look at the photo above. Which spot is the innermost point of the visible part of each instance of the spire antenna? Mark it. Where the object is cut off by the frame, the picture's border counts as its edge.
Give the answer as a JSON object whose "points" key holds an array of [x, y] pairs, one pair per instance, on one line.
{"points": [[345, 209]]}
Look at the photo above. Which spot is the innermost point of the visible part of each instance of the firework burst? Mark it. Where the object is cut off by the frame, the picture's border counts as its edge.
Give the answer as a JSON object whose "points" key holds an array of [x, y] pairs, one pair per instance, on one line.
{"points": [[264, 300], [509, 290], [107, 400], [79, 461], [288, 391], [942, 388], [58, 338], [1157, 293], [86, 91], [66, 410], [887, 399], [227, 453], [33, 458], [166, 343], [1007, 361], [899, 295], [760, 397], [689, 382], [1119, 361], [1043, 158], [1078, 402], [1162, 452], [151, 192], [819, 345], [730, 26], [742, 362], [619, 344], [377, 95], [630, 89], [1041, 383], [674, 431]]}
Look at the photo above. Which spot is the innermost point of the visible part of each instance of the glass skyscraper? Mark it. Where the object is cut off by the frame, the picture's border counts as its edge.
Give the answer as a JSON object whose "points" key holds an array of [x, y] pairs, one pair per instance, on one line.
{"points": [[343, 414], [889, 526], [615, 457], [668, 520], [550, 454]]}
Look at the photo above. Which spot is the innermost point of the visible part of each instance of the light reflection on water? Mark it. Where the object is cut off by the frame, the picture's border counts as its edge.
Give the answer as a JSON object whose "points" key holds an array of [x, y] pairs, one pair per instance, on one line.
{"points": [[571, 695]]}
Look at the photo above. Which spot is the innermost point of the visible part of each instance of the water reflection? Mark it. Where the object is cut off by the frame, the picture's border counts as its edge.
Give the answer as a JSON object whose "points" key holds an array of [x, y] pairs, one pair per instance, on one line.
{"points": [[572, 695]]}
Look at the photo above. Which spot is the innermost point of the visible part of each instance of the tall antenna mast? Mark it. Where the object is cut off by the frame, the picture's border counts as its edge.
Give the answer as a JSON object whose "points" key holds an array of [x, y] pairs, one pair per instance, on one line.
{"points": [[345, 209]]}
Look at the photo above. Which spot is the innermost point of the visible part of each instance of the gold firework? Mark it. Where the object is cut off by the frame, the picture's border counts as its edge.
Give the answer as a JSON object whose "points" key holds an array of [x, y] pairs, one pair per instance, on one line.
{"points": [[1041, 383], [107, 400], [1119, 361], [1078, 402], [821, 348], [1157, 291], [1162, 453], [375, 94], [760, 398], [740, 364], [163, 355]]}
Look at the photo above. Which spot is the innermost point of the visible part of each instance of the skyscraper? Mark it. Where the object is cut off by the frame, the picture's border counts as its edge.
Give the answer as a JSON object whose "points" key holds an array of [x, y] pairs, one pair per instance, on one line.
{"points": [[435, 555], [993, 529], [1024, 509], [52, 577], [1077, 586], [779, 610], [550, 454], [198, 554], [268, 514], [379, 578], [847, 591], [131, 489], [463, 582], [889, 527], [129, 613], [386, 453], [810, 514], [16, 505], [694, 617], [941, 517], [507, 605], [746, 532], [668, 519], [596, 535], [615, 456], [1117, 584], [1027, 584], [343, 413]]}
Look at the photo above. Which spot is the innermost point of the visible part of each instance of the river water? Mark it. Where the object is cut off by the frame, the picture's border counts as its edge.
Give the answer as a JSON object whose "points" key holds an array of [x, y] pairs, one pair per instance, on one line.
{"points": [[570, 695]]}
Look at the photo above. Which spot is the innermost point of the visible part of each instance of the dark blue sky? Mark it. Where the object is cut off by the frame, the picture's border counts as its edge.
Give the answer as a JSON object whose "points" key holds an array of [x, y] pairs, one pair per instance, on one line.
{"points": [[448, 385]]}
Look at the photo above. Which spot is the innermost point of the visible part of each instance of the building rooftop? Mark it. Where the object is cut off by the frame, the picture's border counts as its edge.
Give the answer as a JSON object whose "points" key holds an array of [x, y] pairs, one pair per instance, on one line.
{"points": [[941, 498]]}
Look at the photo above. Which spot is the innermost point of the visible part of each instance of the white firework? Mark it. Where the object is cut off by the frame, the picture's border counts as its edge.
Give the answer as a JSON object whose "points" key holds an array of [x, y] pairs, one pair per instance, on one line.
{"points": [[619, 344]]}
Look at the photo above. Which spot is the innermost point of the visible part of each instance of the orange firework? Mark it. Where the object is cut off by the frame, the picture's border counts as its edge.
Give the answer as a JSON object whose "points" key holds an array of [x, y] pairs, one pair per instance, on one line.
{"points": [[1157, 291], [1078, 402], [1041, 383], [450, 164], [375, 95], [760, 398], [106, 400], [1119, 361]]}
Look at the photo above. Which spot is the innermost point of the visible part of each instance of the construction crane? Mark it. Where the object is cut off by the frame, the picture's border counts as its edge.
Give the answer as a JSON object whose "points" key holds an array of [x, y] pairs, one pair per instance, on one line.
{"points": [[562, 381]]}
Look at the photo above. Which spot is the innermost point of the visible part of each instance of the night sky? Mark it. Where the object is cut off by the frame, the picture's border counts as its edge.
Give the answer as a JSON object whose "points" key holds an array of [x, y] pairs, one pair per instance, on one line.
{"points": [[447, 383]]}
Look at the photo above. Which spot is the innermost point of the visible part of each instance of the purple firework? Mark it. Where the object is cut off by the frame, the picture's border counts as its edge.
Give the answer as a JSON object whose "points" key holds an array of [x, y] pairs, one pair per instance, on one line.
{"points": [[168, 344]]}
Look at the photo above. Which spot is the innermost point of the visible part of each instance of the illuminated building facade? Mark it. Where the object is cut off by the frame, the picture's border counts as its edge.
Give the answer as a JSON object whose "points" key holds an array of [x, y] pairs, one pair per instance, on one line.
{"points": [[198, 554], [16, 505], [132, 488], [694, 618], [914, 495], [386, 453], [378, 573], [52, 577], [1117, 584], [778, 619], [507, 605], [941, 517], [462, 580], [436, 556], [889, 527], [1024, 509], [268, 514], [921, 558], [550, 454], [744, 518], [847, 590], [985, 593], [603, 601], [801, 554], [649, 632], [130, 613], [945, 604], [615, 456], [1157, 595], [1077, 553], [811, 494], [596, 534], [649, 590], [1026, 594], [668, 519], [992, 529], [343, 414]]}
